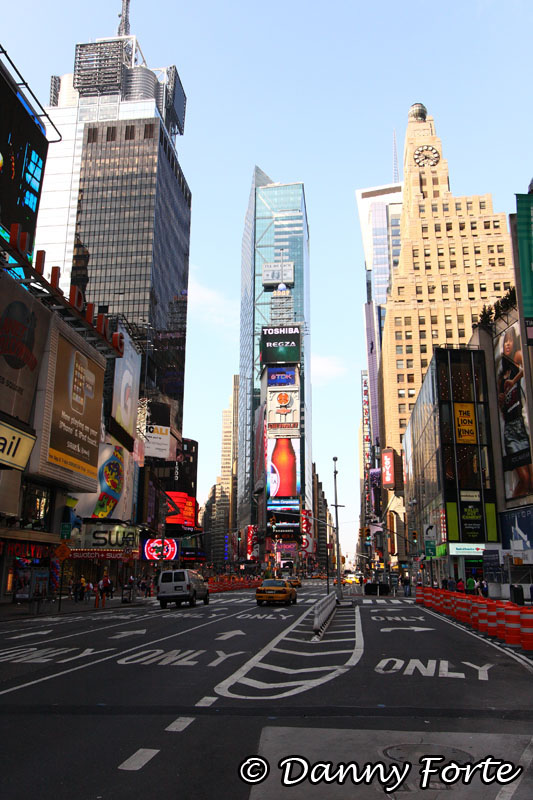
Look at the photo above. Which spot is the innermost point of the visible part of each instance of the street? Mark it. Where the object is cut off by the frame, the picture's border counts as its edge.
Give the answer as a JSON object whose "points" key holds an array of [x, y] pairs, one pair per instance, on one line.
{"points": [[143, 702]]}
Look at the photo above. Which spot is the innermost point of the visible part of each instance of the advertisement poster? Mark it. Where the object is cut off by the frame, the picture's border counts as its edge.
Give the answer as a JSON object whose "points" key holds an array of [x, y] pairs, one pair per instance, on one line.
{"points": [[283, 468], [281, 376], [280, 345], [465, 423], [76, 412], [524, 230], [513, 418], [472, 526], [126, 385], [24, 324], [283, 412], [157, 444], [114, 498], [187, 506]]}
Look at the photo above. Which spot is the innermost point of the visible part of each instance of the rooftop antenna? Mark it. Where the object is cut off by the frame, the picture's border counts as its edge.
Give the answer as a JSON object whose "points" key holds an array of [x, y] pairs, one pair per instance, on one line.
{"points": [[124, 16], [395, 171]]}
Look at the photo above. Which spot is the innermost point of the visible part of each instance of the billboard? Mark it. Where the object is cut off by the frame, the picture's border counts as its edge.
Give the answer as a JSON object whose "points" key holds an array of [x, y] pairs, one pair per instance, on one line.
{"points": [[23, 148], [157, 443], [278, 272], [187, 506], [280, 345], [115, 496], [24, 325], [283, 467], [126, 385], [281, 376], [76, 411], [524, 231], [160, 549], [387, 469], [283, 412], [513, 417]]}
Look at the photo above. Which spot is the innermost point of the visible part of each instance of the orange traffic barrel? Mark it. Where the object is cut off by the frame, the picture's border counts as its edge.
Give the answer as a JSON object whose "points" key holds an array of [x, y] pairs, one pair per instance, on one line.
{"points": [[419, 598], [468, 609], [492, 623], [500, 620], [512, 625], [446, 605], [526, 628], [461, 606], [482, 615]]}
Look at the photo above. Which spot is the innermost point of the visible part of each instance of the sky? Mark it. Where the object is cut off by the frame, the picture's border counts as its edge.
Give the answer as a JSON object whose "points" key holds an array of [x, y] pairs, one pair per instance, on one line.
{"points": [[308, 92]]}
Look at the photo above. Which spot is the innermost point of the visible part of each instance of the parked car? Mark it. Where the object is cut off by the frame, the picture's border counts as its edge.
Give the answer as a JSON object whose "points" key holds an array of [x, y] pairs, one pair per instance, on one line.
{"points": [[181, 585], [275, 590]]}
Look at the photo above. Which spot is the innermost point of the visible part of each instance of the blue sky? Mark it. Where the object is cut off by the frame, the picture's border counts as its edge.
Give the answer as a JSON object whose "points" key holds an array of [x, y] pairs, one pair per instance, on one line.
{"points": [[313, 92]]}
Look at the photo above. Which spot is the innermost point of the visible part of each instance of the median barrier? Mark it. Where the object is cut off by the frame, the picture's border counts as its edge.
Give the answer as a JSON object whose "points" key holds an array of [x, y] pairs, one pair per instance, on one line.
{"points": [[323, 610], [482, 615], [500, 620], [492, 623]]}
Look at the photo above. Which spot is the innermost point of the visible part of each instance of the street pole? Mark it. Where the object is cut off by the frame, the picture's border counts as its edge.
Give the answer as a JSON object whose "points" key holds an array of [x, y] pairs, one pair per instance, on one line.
{"points": [[337, 540]]}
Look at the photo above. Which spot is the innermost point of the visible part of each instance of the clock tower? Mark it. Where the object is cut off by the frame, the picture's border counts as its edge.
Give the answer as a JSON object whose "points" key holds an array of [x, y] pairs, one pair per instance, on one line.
{"points": [[455, 258]]}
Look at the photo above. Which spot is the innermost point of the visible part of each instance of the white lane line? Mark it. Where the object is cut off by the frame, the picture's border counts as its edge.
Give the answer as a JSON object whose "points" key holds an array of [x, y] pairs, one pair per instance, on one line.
{"points": [[138, 759], [329, 641], [290, 670], [367, 602], [507, 792], [116, 655], [310, 655], [180, 724], [206, 701]]}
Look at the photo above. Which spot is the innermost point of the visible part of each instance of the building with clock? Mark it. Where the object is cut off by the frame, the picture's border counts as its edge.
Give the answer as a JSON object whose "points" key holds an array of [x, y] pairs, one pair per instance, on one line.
{"points": [[455, 258]]}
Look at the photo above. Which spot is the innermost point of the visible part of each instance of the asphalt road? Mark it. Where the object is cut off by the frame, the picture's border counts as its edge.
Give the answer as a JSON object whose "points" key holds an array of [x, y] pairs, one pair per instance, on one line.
{"points": [[144, 702]]}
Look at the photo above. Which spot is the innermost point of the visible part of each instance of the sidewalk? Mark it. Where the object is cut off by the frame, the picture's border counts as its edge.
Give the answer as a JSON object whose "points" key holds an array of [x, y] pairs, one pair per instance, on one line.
{"points": [[29, 610]]}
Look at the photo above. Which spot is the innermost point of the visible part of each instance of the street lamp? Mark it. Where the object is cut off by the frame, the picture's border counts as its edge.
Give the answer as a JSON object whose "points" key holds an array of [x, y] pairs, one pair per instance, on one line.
{"points": [[337, 540]]}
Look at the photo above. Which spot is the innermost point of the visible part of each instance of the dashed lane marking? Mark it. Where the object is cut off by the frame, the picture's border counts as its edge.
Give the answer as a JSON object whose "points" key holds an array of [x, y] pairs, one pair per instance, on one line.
{"points": [[138, 759], [179, 724], [206, 701]]}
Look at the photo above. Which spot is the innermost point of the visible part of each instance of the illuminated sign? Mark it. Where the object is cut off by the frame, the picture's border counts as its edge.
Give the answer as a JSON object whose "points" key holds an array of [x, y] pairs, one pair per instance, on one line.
{"points": [[15, 446], [281, 376], [280, 345], [187, 506], [387, 469], [465, 423], [160, 550], [283, 412]]}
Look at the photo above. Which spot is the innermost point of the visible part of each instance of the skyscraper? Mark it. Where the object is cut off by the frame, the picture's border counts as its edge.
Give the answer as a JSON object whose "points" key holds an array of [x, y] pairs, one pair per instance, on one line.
{"points": [[115, 210], [455, 257], [275, 241]]}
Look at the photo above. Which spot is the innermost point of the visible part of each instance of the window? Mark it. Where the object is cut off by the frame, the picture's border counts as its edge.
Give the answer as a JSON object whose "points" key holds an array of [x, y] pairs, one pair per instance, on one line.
{"points": [[506, 285], [449, 333], [421, 320], [408, 334], [500, 248], [424, 230], [427, 252], [435, 180], [398, 335], [434, 208], [419, 290], [401, 392], [458, 206], [410, 377], [497, 287], [467, 263], [440, 251], [400, 363], [460, 318], [444, 288], [130, 132], [422, 334], [482, 205], [411, 392], [400, 378], [448, 319], [457, 288], [92, 135], [416, 265], [401, 291], [496, 223], [423, 348], [474, 319], [473, 226], [434, 319], [453, 264], [461, 333], [422, 209], [415, 253], [401, 408], [486, 224], [411, 406], [407, 321], [149, 130], [490, 248], [424, 363], [482, 287], [408, 348], [440, 264], [409, 363], [449, 226], [501, 262], [111, 134], [470, 287], [399, 350], [434, 334], [431, 290], [403, 422], [465, 251], [477, 249], [397, 321], [451, 250], [445, 207]]}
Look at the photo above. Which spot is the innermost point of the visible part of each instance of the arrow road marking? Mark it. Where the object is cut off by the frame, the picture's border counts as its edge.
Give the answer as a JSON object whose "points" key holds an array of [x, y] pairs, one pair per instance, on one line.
{"points": [[35, 633], [412, 628], [124, 634], [229, 635]]}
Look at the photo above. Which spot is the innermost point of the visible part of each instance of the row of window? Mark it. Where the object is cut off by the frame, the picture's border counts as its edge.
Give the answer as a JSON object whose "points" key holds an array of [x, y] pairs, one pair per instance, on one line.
{"points": [[473, 226], [460, 205], [111, 133], [445, 290], [465, 250]]}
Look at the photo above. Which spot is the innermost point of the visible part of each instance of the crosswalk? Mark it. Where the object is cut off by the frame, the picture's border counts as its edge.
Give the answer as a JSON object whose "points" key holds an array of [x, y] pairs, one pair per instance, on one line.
{"points": [[389, 601]]}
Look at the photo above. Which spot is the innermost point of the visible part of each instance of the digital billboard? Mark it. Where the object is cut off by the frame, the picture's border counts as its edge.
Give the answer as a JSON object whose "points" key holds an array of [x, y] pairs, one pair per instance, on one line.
{"points": [[160, 549], [280, 345], [283, 468], [281, 376], [126, 385], [524, 232], [24, 324], [387, 469], [115, 496], [23, 148], [513, 417], [283, 412], [187, 506], [76, 411], [157, 443]]}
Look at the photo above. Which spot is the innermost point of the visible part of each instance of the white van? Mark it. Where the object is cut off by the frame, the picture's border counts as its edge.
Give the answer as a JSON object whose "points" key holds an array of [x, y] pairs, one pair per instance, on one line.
{"points": [[179, 585]]}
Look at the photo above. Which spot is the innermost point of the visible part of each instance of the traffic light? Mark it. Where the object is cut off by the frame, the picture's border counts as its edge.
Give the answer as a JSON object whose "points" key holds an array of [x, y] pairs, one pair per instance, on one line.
{"points": [[415, 537], [368, 539]]}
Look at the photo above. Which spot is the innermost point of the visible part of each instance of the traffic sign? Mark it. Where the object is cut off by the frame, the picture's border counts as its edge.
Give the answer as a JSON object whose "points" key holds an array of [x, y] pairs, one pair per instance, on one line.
{"points": [[65, 530], [431, 548], [62, 551]]}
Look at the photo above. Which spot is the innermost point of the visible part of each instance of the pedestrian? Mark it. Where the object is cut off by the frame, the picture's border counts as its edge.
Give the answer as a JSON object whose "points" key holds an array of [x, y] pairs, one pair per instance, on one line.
{"points": [[484, 588], [406, 583], [451, 584], [444, 583], [81, 590], [460, 585], [70, 588], [88, 591], [148, 590], [470, 585]]}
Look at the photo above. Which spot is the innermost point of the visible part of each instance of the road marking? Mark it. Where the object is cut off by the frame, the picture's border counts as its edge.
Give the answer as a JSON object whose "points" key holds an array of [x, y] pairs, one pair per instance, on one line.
{"points": [[138, 759], [25, 635], [311, 655], [507, 792], [124, 634], [229, 635], [180, 724], [390, 666], [107, 658], [206, 701], [400, 628]]}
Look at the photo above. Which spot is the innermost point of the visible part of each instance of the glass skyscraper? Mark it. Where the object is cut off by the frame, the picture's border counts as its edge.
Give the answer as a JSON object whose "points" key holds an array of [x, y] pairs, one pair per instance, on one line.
{"points": [[275, 231], [115, 209]]}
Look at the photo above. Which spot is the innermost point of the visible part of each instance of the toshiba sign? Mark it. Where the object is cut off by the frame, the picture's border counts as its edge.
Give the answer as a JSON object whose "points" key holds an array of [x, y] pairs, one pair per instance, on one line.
{"points": [[387, 469], [280, 345]]}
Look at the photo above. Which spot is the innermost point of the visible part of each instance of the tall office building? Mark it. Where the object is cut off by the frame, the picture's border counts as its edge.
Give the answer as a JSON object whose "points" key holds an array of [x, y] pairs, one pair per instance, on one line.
{"points": [[115, 209], [455, 257], [380, 211], [275, 234]]}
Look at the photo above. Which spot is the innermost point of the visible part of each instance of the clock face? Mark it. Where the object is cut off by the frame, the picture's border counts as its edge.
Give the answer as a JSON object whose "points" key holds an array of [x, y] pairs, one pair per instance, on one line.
{"points": [[426, 156]]}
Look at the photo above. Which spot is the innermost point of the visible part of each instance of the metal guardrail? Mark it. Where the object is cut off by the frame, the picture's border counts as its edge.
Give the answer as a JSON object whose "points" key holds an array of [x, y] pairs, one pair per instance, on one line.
{"points": [[323, 610]]}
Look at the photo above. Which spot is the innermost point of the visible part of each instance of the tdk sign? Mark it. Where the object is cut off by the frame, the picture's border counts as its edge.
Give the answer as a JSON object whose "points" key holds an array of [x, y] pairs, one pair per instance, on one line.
{"points": [[280, 345]]}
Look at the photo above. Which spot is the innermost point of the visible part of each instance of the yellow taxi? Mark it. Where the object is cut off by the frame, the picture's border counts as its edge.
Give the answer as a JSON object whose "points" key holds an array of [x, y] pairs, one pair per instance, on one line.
{"points": [[295, 581], [275, 590]]}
